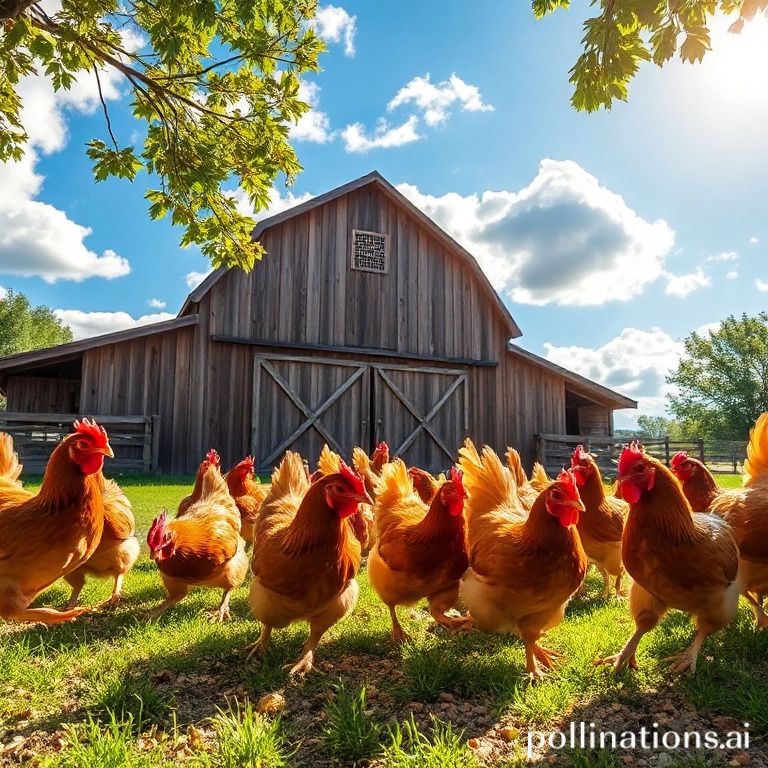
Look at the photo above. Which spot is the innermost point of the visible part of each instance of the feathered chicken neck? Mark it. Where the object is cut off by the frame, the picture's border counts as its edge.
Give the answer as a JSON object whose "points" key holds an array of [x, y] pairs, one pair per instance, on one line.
{"points": [[664, 508], [540, 525], [701, 489], [439, 521], [64, 482], [593, 491], [315, 524]]}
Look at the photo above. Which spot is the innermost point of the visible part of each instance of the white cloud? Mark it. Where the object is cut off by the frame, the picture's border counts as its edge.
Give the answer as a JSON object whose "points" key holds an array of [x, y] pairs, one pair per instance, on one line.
{"points": [[193, 279], [383, 137], [682, 285], [85, 324], [156, 304], [435, 101], [732, 275], [753, 240], [563, 239], [635, 363], [277, 203], [314, 125], [761, 285], [724, 256], [3, 292], [37, 239], [334, 24]]}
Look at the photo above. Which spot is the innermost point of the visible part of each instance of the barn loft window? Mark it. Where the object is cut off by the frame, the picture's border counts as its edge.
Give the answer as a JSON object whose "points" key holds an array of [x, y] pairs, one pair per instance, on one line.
{"points": [[369, 251]]}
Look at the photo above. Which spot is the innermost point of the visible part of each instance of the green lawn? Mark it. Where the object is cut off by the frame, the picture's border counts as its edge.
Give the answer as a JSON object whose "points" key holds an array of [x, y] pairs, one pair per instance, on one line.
{"points": [[114, 690]]}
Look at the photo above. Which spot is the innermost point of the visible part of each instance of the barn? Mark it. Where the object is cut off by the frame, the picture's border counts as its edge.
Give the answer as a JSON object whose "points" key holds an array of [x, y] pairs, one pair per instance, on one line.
{"points": [[364, 322]]}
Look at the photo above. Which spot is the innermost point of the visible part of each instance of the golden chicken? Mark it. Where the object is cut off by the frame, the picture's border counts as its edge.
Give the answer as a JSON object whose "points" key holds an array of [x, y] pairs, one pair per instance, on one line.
{"points": [[49, 534], [211, 460], [248, 495], [602, 522], [425, 484], [420, 549], [675, 558], [305, 555], [201, 548], [522, 570], [525, 491]]}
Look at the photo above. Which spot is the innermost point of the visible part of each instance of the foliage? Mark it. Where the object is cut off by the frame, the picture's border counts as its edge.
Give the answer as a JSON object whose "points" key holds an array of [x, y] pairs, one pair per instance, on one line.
{"points": [[215, 81], [660, 426], [628, 32], [24, 327], [410, 747], [350, 734], [722, 379]]}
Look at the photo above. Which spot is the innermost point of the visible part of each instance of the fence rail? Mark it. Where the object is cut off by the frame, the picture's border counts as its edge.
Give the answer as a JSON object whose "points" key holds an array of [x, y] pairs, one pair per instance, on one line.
{"points": [[554, 451], [134, 439]]}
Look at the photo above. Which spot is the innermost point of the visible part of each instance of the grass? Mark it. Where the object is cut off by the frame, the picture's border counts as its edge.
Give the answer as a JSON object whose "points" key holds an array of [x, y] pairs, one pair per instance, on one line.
{"points": [[115, 689]]}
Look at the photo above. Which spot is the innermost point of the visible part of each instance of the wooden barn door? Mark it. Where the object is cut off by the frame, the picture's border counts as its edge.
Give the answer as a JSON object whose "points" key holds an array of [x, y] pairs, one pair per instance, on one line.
{"points": [[299, 403], [421, 413]]}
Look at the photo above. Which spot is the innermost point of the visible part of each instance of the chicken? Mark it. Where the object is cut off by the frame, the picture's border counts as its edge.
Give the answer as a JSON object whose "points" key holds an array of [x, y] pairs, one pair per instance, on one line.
{"points": [[525, 491], [420, 549], [522, 570], [699, 486], [745, 509], [362, 521], [425, 485], [675, 558], [539, 478], [602, 522], [370, 469], [305, 556], [10, 468], [248, 495], [211, 459], [47, 535], [118, 547], [203, 547]]}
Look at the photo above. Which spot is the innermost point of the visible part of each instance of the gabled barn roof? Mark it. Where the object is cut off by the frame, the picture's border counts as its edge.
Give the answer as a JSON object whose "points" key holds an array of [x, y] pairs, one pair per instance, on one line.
{"points": [[373, 178]]}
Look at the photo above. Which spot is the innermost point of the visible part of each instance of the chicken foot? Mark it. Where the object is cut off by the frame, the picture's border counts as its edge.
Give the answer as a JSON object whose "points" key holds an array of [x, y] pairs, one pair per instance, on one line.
{"points": [[260, 646], [442, 602], [177, 591], [221, 614], [686, 661], [399, 635], [76, 580], [47, 616], [757, 607]]}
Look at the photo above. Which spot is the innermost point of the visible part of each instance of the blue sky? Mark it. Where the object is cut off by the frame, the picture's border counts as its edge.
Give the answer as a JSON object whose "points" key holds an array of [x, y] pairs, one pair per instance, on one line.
{"points": [[610, 236]]}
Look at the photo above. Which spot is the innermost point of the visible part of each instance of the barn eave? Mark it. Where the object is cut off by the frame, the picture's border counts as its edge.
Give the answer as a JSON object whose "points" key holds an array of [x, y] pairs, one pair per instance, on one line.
{"points": [[398, 198]]}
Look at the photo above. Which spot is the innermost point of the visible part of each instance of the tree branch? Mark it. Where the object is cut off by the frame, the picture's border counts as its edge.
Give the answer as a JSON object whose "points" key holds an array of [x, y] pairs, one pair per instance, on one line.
{"points": [[104, 107]]}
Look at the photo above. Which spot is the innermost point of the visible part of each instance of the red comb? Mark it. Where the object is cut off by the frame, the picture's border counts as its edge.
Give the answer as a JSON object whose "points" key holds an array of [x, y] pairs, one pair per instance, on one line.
{"points": [[212, 457], [352, 478], [91, 430], [579, 455], [382, 447], [679, 458], [566, 479], [156, 531], [457, 476], [629, 456]]}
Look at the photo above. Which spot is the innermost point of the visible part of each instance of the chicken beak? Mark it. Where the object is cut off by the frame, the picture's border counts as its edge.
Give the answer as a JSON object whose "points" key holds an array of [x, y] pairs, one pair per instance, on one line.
{"points": [[575, 504], [362, 498], [108, 452]]}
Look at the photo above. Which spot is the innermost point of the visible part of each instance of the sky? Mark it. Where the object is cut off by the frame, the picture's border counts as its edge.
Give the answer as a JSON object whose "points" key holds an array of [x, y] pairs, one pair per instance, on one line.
{"points": [[610, 236]]}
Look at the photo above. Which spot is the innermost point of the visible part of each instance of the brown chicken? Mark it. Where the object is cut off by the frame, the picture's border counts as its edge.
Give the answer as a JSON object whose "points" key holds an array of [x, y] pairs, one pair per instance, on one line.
{"points": [[602, 522], [675, 558], [370, 468], [45, 536], [539, 478], [745, 509], [525, 491], [248, 495], [420, 549], [425, 485], [211, 460], [522, 570], [305, 556], [118, 548], [10, 468], [201, 548]]}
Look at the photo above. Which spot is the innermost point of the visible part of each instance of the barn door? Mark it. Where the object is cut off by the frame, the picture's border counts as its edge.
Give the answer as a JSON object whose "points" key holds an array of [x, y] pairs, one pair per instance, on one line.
{"points": [[301, 403], [421, 413]]}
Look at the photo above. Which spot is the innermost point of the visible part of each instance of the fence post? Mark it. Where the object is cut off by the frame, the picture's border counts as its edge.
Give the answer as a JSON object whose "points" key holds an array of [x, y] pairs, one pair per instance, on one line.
{"points": [[700, 444], [666, 448]]}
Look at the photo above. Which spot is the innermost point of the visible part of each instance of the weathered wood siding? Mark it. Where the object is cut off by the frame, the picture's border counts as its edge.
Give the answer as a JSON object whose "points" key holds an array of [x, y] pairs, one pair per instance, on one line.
{"points": [[594, 420], [32, 394]]}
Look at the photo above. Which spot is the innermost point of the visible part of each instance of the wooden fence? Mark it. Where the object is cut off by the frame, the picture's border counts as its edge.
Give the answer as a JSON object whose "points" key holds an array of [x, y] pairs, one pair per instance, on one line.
{"points": [[554, 451], [134, 439]]}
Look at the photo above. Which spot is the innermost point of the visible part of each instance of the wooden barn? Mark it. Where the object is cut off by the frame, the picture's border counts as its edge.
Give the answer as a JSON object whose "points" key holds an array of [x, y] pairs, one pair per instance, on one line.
{"points": [[364, 322]]}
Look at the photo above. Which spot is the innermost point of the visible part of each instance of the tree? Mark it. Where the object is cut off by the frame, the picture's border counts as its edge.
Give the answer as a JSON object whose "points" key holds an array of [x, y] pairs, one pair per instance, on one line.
{"points": [[660, 426], [215, 81], [722, 379], [628, 32], [24, 327]]}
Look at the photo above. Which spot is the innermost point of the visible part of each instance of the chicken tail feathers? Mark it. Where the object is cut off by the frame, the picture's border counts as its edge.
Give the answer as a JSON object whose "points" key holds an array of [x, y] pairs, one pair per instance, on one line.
{"points": [[289, 477], [360, 461], [10, 468], [539, 478], [329, 462], [756, 464], [488, 483], [516, 466]]}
